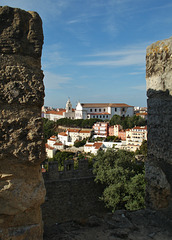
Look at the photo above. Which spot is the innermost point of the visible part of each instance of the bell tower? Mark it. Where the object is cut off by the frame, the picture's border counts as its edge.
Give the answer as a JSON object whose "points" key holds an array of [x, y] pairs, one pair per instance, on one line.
{"points": [[68, 106]]}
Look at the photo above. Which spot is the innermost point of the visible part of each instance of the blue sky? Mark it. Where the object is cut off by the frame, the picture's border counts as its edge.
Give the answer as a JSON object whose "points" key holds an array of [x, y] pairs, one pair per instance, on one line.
{"points": [[94, 50]]}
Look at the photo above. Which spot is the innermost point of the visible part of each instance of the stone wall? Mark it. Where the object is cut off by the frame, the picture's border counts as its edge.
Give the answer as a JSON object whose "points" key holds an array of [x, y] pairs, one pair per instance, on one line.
{"points": [[22, 189], [72, 194], [72, 199], [159, 92]]}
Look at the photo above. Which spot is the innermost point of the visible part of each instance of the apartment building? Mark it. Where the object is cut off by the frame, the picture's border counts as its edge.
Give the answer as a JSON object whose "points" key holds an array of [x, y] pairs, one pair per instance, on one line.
{"points": [[101, 129], [135, 137]]}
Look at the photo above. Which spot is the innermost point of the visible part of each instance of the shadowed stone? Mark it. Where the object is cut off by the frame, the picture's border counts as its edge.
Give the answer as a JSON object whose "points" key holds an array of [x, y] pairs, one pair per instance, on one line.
{"points": [[22, 189]]}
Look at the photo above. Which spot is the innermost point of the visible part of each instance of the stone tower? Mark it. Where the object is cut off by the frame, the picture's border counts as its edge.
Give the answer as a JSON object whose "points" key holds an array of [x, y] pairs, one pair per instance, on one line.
{"points": [[21, 133], [68, 106], [159, 92]]}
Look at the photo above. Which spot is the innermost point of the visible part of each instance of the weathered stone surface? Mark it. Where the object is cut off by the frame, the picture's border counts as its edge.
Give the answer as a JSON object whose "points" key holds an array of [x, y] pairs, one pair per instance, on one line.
{"points": [[21, 32], [22, 189], [158, 187], [159, 92]]}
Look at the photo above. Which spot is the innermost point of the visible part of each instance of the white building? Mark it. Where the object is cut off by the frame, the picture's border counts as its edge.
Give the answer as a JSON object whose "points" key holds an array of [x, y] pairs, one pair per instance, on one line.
{"points": [[52, 146], [93, 147], [102, 110], [71, 135], [54, 115]]}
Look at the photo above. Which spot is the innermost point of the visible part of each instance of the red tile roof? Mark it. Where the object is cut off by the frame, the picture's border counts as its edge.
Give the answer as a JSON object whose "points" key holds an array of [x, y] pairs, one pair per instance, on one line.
{"points": [[63, 134], [85, 131], [73, 130], [53, 136], [139, 114], [92, 105], [50, 139], [88, 145], [60, 112], [47, 146], [97, 145], [140, 128], [58, 144]]}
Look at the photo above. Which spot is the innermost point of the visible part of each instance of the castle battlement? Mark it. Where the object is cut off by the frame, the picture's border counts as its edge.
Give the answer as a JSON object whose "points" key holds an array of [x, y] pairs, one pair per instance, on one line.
{"points": [[69, 172]]}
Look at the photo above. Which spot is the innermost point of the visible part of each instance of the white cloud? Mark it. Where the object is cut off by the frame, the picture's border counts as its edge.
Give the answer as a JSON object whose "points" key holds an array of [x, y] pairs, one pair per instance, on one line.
{"points": [[119, 53], [129, 60], [55, 81], [127, 56], [73, 21]]}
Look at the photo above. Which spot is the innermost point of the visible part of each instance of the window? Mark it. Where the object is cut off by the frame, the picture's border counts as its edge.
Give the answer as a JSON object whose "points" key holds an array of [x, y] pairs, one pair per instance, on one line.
{"points": [[69, 108], [91, 110], [103, 116], [104, 110], [115, 109], [123, 109], [100, 116], [99, 109], [107, 116], [95, 110], [97, 117], [93, 116]]}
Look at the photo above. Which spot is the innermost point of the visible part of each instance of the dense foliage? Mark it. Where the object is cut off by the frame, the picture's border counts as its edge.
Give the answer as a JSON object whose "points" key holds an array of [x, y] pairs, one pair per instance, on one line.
{"points": [[143, 149], [123, 179], [112, 139], [127, 122], [49, 128], [60, 157], [80, 123], [80, 143]]}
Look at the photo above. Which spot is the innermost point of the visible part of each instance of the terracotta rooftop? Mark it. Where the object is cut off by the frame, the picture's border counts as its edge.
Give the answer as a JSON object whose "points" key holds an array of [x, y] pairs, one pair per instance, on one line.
{"points": [[92, 105], [63, 134], [140, 128], [60, 112], [97, 145], [88, 145], [139, 114], [47, 146], [58, 144], [73, 130], [51, 139], [85, 131]]}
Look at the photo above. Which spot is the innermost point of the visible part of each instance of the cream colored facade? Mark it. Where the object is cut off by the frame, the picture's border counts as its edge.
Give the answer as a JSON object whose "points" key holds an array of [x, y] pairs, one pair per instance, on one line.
{"points": [[135, 137]]}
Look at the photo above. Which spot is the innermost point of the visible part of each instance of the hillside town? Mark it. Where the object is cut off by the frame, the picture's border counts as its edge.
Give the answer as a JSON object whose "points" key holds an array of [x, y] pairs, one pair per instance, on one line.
{"points": [[102, 135]]}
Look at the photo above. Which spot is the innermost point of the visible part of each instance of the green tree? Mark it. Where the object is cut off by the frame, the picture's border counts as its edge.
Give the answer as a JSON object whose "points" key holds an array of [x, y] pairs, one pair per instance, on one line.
{"points": [[49, 128], [127, 122], [77, 123], [116, 119], [123, 179], [80, 143], [143, 149], [60, 157]]}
